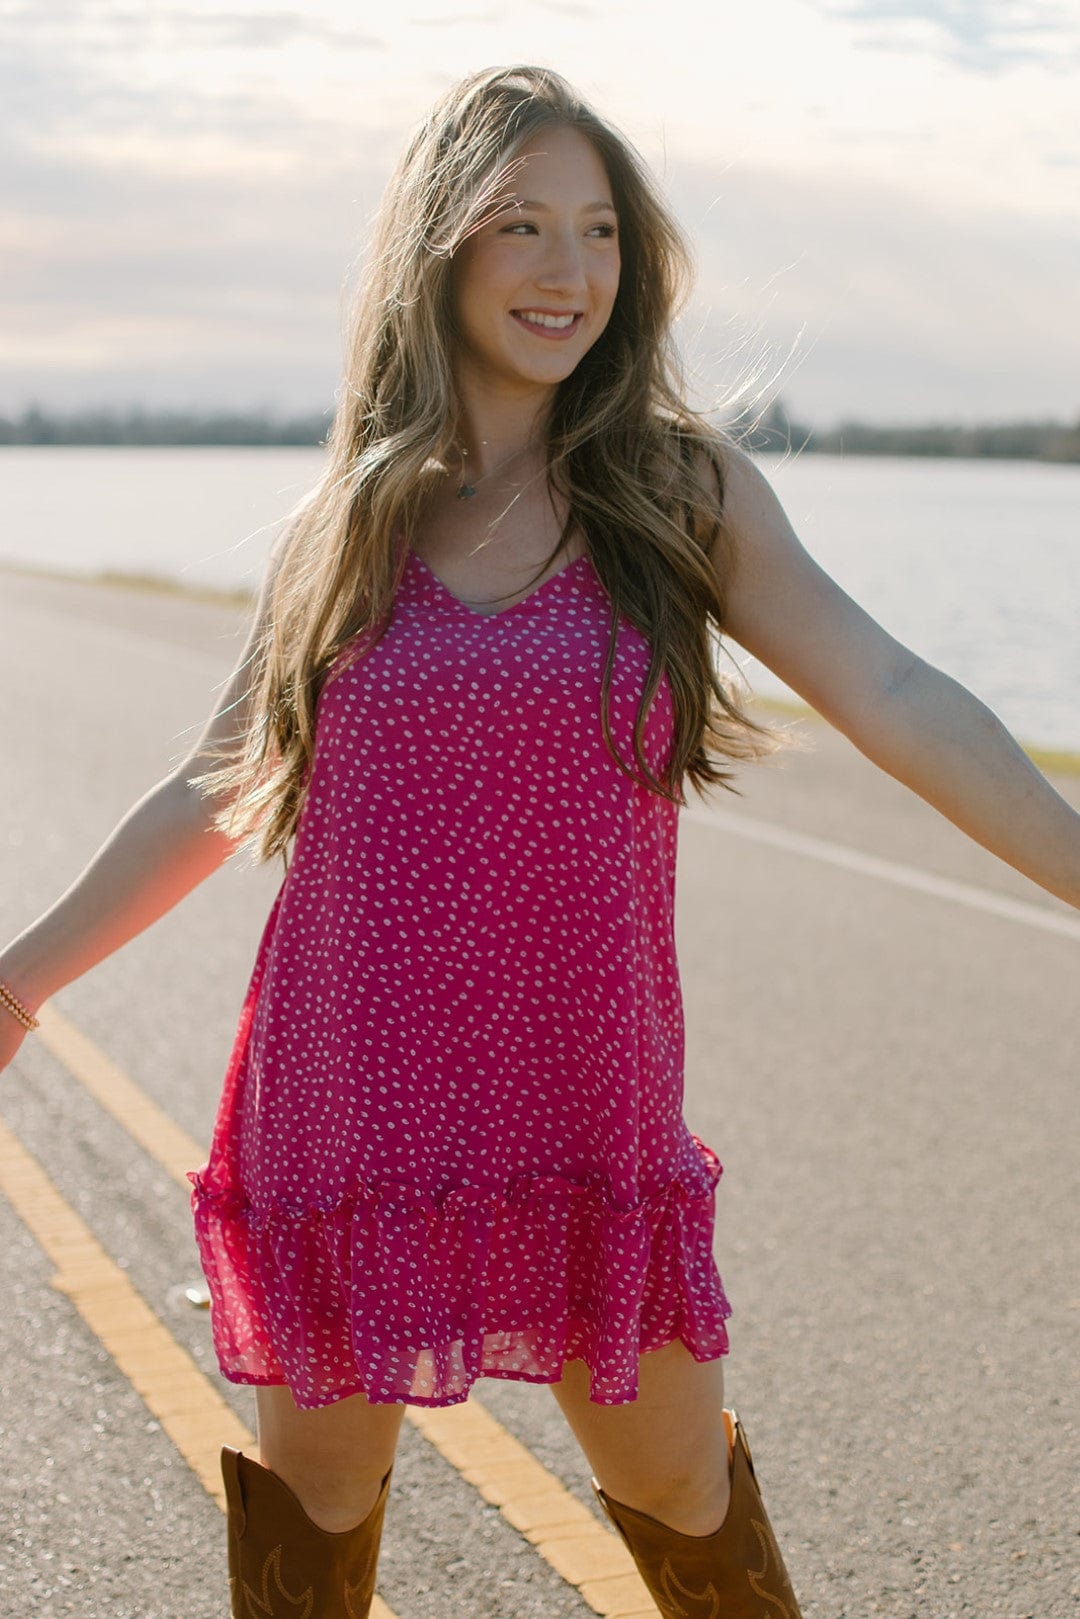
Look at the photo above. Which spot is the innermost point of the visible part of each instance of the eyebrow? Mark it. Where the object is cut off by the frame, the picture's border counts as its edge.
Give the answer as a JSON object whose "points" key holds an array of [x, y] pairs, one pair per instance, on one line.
{"points": [[587, 208]]}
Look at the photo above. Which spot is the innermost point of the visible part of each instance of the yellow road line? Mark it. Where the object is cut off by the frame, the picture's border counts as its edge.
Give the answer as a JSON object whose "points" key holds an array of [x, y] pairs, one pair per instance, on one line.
{"points": [[503, 1471], [539, 1506], [149, 1125], [174, 1390], [188, 1407]]}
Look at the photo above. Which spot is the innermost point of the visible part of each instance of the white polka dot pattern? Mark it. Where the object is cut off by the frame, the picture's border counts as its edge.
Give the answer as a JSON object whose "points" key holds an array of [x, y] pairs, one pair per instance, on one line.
{"points": [[450, 1141]]}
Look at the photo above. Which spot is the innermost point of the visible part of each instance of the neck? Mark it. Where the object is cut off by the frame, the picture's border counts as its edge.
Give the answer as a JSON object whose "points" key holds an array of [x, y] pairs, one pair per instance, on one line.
{"points": [[493, 429]]}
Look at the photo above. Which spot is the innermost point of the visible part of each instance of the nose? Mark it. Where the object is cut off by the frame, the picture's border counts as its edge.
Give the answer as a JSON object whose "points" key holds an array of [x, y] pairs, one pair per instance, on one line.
{"points": [[563, 269]]}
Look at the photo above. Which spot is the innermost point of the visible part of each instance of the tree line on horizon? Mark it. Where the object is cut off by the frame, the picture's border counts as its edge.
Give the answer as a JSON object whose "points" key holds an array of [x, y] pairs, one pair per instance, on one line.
{"points": [[769, 430]]}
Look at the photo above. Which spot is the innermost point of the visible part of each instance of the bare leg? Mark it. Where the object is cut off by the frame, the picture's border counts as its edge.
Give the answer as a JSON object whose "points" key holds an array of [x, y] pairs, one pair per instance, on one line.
{"points": [[667, 1452], [334, 1458]]}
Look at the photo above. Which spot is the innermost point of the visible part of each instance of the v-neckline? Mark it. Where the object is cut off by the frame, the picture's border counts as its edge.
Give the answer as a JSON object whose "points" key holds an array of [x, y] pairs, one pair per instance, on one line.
{"points": [[503, 611]]}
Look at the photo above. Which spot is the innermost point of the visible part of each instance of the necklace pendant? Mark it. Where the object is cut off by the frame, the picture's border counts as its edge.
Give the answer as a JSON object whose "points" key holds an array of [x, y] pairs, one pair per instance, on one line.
{"points": [[466, 492]]}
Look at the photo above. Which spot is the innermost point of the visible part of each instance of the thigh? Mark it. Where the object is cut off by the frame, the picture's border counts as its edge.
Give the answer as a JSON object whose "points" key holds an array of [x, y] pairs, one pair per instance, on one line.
{"points": [[669, 1443]]}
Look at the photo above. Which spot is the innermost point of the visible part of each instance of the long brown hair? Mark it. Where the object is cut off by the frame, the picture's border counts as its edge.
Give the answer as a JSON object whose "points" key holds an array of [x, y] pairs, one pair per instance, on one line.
{"points": [[642, 473]]}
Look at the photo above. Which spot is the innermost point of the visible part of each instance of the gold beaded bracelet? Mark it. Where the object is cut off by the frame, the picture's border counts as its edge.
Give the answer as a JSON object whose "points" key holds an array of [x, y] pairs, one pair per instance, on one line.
{"points": [[16, 1007]]}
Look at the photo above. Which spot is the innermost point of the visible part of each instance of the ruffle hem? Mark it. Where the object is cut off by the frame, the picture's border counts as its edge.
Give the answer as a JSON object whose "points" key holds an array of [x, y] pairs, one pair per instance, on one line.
{"points": [[404, 1297]]}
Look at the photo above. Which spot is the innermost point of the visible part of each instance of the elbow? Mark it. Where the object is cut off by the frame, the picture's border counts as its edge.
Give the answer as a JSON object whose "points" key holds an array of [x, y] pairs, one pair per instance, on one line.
{"points": [[190, 804], [890, 727], [875, 715], [198, 815], [900, 674]]}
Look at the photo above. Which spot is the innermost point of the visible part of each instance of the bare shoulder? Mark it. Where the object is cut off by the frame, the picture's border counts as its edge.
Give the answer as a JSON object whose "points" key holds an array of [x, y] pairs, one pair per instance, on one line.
{"points": [[785, 609], [756, 547], [751, 512]]}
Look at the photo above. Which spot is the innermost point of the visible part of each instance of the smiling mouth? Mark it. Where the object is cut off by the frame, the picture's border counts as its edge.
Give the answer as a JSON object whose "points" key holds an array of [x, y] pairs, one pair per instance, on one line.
{"points": [[542, 329]]}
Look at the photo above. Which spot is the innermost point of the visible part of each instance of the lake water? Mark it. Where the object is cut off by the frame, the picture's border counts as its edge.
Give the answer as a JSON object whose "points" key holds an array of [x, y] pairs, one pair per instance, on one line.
{"points": [[975, 564]]}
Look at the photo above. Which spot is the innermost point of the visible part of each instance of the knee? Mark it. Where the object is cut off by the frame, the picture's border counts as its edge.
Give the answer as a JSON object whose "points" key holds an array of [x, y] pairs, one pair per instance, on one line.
{"points": [[333, 1458]]}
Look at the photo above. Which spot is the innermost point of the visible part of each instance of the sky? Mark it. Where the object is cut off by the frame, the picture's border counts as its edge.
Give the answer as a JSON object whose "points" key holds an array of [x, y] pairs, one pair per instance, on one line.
{"points": [[882, 198]]}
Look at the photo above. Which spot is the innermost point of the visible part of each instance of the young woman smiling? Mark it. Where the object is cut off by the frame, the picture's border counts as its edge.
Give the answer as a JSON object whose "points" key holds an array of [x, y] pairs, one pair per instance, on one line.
{"points": [[481, 673]]}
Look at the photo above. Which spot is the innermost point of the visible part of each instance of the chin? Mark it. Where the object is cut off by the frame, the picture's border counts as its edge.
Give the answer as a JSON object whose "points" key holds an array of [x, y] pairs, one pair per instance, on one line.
{"points": [[546, 366]]}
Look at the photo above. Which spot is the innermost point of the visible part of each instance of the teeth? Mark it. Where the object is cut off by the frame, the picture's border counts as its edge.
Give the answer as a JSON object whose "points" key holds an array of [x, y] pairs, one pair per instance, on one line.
{"points": [[547, 320]]}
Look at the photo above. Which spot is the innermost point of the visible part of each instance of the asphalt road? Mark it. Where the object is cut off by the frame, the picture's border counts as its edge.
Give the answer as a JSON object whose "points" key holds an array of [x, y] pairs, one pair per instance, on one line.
{"points": [[888, 1074]]}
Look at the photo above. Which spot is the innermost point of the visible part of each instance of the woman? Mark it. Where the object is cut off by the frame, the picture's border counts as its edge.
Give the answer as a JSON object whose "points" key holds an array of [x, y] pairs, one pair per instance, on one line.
{"points": [[450, 1141]]}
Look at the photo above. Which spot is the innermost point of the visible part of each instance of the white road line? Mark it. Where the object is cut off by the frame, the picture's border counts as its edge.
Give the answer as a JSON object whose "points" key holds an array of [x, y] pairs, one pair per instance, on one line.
{"points": [[889, 871]]}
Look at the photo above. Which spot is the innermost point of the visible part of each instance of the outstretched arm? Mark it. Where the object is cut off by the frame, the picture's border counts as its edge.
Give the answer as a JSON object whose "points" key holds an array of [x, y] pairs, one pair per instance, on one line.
{"points": [[911, 719], [162, 848]]}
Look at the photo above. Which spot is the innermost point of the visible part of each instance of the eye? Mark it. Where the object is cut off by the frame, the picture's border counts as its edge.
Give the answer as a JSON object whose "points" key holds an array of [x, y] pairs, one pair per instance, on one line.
{"points": [[526, 224]]}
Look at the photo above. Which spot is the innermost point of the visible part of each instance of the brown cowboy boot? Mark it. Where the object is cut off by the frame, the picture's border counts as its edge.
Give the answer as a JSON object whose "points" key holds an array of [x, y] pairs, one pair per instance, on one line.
{"points": [[734, 1573], [283, 1566]]}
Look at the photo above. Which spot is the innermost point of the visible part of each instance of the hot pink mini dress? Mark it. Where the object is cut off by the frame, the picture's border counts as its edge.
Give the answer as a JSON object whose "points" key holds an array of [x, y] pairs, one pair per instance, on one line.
{"points": [[450, 1140]]}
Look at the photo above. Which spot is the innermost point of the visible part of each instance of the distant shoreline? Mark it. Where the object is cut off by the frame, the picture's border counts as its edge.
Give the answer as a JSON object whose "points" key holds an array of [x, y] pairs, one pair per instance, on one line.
{"points": [[1063, 760], [770, 430]]}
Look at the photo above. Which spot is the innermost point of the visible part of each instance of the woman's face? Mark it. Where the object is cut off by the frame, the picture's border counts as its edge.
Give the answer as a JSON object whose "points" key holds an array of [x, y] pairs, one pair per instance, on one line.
{"points": [[554, 250]]}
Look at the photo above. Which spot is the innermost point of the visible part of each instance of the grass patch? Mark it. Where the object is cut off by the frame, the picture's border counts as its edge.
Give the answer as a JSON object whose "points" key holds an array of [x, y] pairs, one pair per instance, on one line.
{"points": [[1059, 759], [1062, 760], [163, 586], [151, 583]]}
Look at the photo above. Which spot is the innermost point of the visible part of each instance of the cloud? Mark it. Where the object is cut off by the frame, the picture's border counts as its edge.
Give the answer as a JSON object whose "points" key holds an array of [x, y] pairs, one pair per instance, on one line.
{"points": [[189, 243], [979, 36], [105, 30], [854, 296], [460, 19], [871, 299], [114, 91], [268, 30], [574, 8], [185, 193]]}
